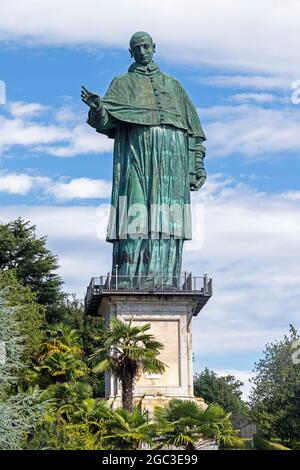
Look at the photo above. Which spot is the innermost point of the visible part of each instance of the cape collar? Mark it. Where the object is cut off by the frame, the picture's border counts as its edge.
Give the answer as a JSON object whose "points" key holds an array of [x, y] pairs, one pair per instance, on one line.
{"points": [[150, 69]]}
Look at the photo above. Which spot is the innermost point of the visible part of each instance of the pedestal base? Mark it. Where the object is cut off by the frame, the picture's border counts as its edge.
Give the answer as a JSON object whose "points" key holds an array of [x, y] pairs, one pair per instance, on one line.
{"points": [[170, 317], [150, 402]]}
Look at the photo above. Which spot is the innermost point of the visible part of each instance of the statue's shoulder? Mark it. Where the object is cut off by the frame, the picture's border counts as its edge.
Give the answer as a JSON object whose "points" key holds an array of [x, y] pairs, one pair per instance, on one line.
{"points": [[172, 80], [124, 77]]}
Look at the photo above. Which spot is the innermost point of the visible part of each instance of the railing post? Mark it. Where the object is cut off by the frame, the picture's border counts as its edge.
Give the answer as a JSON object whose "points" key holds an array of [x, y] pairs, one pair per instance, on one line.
{"points": [[205, 279], [117, 266]]}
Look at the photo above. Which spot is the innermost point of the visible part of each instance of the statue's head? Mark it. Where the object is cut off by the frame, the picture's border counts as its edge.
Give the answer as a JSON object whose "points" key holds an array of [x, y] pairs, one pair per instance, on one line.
{"points": [[142, 47]]}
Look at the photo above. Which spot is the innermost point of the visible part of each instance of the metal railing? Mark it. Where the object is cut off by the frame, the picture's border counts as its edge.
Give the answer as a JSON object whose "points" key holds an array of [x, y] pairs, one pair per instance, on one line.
{"points": [[146, 284]]}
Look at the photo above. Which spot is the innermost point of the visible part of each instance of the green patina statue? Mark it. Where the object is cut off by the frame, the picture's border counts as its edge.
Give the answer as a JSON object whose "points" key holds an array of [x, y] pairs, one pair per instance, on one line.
{"points": [[158, 160]]}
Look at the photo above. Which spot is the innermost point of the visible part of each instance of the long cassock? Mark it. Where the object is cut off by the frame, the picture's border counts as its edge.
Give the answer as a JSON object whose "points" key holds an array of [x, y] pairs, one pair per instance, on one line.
{"points": [[158, 157]]}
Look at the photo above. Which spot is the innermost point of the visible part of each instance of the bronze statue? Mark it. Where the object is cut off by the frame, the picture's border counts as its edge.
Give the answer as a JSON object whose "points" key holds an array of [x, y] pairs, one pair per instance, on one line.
{"points": [[158, 160]]}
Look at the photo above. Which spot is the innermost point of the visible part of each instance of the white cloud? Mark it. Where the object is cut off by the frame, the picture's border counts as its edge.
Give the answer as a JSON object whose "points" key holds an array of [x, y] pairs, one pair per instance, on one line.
{"points": [[63, 190], [292, 195], [259, 82], [80, 188], [261, 35], [62, 136], [257, 97], [16, 184], [82, 140], [2, 92], [21, 109], [66, 114], [18, 131], [251, 130]]}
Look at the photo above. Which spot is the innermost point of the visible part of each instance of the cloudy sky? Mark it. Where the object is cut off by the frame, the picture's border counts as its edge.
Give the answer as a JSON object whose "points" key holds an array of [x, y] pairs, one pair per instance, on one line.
{"points": [[239, 62]]}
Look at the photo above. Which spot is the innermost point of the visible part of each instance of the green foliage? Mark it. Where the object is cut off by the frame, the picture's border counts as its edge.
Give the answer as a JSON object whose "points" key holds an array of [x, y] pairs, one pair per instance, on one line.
{"points": [[60, 337], [237, 443], [91, 328], [11, 343], [60, 354], [126, 350], [28, 314], [70, 312], [264, 444], [63, 366], [34, 264], [63, 436], [67, 399], [127, 430], [225, 391], [18, 411], [91, 426], [18, 415], [275, 399], [182, 423]]}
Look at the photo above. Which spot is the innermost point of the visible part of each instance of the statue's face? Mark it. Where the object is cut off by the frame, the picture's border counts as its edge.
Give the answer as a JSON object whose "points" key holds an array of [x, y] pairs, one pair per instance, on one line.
{"points": [[143, 50]]}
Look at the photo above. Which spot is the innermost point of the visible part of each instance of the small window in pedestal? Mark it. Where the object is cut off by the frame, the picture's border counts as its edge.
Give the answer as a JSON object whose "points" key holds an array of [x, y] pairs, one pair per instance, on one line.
{"points": [[149, 375]]}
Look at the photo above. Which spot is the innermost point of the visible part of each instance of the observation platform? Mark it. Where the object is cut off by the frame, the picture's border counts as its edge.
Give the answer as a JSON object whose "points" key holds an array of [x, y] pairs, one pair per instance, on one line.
{"points": [[199, 288]]}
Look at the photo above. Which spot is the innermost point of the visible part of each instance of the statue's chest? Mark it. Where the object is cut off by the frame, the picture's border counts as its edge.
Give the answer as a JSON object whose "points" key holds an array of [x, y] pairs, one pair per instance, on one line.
{"points": [[155, 92]]}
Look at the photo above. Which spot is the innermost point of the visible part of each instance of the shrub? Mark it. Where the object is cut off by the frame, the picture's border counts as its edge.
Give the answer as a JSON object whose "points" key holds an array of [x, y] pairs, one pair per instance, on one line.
{"points": [[237, 443], [264, 444]]}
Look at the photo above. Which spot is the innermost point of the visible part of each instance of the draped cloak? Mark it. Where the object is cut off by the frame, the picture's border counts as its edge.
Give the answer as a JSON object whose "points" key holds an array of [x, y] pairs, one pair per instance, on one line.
{"points": [[156, 130]]}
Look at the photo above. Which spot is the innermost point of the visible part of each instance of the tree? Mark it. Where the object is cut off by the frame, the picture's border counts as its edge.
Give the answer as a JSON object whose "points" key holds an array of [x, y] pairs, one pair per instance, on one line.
{"points": [[225, 391], [63, 366], [18, 411], [34, 264], [60, 338], [182, 423], [59, 358], [67, 400], [275, 397], [29, 316], [126, 351], [127, 430]]}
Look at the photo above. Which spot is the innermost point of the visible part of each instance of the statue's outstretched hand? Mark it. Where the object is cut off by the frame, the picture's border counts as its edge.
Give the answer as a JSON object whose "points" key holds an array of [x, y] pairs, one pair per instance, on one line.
{"points": [[90, 99]]}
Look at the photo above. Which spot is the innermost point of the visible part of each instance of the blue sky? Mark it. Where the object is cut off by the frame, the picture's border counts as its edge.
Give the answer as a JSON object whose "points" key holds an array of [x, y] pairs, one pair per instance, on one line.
{"points": [[237, 61]]}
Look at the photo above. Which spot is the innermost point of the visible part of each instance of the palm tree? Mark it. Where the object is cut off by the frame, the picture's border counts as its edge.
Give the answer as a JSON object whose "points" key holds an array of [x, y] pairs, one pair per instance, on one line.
{"points": [[67, 400], [127, 430], [182, 423], [127, 350], [63, 366], [60, 337]]}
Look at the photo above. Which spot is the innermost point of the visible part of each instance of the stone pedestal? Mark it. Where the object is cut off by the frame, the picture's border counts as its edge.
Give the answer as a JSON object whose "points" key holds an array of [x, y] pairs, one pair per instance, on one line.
{"points": [[170, 317], [169, 312]]}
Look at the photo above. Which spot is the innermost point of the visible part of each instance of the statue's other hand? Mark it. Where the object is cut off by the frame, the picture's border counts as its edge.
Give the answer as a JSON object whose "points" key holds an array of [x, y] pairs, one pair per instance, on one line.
{"points": [[90, 99], [199, 183]]}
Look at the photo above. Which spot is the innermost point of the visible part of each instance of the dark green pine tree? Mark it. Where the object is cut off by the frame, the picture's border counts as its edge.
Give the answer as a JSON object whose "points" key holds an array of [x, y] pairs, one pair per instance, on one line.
{"points": [[34, 264]]}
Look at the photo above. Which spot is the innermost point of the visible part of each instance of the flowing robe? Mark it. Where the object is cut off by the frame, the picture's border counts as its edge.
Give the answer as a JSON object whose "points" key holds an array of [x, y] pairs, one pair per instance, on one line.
{"points": [[157, 133]]}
